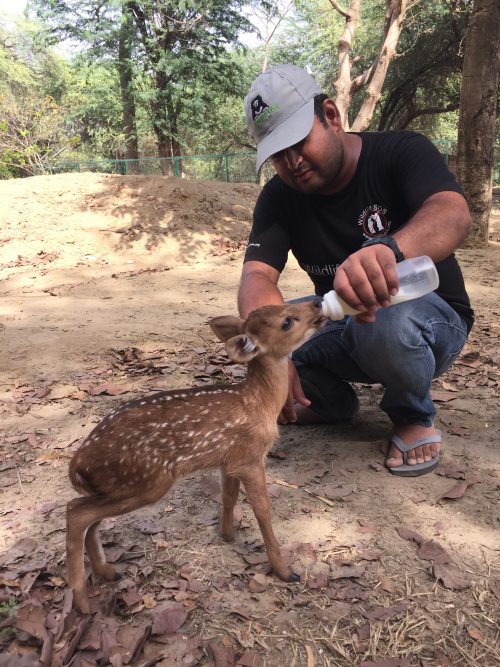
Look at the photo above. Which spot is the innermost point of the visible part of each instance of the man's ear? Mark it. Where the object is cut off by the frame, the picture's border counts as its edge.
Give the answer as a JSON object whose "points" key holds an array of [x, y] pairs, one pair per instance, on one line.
{"points": [[226, 326], [332, 114], [241, 349]]}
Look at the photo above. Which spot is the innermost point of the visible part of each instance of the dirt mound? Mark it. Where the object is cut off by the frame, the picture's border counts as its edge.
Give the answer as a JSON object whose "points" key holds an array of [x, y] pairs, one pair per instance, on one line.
{"points": [[119, 219]]}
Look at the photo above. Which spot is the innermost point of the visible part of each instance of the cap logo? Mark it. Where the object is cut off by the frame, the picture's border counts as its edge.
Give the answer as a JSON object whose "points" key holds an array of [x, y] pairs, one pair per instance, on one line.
{"points": [[261, 110], [258, 106]]}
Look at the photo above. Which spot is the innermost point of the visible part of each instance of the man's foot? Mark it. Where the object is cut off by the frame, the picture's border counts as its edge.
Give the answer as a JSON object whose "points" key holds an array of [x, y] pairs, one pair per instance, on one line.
{"points": [[307, 416], [419, 448], [303, 416]]}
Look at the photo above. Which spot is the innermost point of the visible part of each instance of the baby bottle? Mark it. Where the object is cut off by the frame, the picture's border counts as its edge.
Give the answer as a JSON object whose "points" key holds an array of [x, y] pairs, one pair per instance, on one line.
{"points": [[417, 276]]}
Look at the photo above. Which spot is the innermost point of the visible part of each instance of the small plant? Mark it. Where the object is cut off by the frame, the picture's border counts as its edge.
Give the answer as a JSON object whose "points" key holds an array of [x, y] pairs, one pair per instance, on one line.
{"points": [[8, 607]]}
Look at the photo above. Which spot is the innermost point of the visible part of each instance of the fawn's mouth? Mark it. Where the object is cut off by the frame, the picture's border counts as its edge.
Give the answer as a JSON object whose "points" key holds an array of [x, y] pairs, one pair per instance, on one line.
{"points": [[320, 321]]}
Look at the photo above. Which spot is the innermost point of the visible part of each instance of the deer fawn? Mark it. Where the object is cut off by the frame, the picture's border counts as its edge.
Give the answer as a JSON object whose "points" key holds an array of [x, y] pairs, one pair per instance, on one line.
{"points": [[132, 458]]}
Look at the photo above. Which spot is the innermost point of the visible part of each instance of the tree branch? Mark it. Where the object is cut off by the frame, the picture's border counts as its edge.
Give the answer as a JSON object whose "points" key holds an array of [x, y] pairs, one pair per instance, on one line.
{"points": [[338, 8], [363, 79]]}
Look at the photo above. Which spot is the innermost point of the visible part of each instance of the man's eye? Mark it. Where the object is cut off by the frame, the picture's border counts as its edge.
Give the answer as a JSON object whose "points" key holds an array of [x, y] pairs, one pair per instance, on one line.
{"points": [[286, 324]]}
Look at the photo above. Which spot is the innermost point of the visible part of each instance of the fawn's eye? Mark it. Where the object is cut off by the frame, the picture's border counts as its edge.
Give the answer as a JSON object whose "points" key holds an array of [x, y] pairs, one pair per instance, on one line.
{"points": [[287, 324]]}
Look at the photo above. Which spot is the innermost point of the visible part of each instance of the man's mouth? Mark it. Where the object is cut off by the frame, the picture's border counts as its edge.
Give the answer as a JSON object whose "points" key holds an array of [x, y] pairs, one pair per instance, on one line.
{"points": [[302, 175]]}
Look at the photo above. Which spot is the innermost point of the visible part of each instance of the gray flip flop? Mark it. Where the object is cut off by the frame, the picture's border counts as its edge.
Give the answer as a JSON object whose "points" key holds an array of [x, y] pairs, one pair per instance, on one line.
{"points": [[407, 470]]}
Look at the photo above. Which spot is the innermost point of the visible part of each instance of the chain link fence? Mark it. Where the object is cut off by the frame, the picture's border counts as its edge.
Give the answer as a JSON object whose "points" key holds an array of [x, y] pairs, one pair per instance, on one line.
{"points": [[228, 167]]}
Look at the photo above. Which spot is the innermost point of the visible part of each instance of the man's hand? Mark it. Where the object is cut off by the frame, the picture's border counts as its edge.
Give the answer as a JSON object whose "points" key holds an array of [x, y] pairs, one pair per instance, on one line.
{"points": [[367, 279], [295, 395]]}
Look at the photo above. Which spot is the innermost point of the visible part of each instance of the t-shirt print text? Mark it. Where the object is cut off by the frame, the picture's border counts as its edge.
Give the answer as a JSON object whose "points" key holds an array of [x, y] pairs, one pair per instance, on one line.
{"points": [[374, 221]]}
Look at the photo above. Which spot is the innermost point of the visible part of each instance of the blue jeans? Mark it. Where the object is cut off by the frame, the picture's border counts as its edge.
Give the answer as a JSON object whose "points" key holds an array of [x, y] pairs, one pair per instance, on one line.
{"points": [[404, 350]]}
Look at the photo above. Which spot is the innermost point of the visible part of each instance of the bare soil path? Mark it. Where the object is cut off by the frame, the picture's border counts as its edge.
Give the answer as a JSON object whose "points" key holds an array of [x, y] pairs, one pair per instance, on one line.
{"points": [[107, 283]]}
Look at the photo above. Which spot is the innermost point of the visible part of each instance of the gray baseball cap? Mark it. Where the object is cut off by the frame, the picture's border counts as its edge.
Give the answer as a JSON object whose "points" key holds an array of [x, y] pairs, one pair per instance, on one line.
{"points": [[280, 109]]}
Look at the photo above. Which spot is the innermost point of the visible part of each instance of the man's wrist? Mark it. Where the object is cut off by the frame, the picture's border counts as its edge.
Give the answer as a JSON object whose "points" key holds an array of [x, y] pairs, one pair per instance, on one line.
{"points": [[388, 241]]}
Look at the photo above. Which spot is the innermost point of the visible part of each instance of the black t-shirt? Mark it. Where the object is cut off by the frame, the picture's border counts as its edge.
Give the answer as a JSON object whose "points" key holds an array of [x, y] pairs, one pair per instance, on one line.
{"points": [[396, 173]]}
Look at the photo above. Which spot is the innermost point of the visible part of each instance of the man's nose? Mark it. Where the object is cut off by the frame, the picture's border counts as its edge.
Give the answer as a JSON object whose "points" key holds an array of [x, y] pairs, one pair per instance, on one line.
{"points": [[293, 157]]}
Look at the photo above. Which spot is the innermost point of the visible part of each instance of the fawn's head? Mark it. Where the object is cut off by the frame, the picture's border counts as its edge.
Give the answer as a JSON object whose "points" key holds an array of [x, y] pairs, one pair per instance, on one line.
{"points": [[270, 330]]}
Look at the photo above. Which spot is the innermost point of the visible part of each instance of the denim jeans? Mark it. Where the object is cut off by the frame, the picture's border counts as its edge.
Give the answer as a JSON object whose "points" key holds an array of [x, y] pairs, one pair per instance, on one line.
{"points": [[407, 346]]}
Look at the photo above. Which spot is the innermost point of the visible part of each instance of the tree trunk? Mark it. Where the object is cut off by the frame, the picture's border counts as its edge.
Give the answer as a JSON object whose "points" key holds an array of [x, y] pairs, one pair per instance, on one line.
{"points": [[477, 118], [373, 78], [394, 18], [126, 88], [343, 84]]}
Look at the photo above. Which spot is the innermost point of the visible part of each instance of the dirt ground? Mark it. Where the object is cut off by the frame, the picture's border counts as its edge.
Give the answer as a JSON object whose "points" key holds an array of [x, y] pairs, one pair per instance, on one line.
{"points": [[107, 283]]}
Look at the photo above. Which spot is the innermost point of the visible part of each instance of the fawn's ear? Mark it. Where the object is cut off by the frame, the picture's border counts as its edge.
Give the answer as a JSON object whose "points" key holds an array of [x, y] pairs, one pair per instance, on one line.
{"points": [[226, 326], [241, 349]]}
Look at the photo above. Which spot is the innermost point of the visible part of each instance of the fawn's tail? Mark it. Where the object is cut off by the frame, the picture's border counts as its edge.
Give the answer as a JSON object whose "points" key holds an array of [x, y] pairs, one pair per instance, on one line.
{"points": [[81, 482]]}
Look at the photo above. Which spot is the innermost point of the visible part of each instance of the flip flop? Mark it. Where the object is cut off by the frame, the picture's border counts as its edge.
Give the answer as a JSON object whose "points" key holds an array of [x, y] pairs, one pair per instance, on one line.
{"points": [[407, 470]]}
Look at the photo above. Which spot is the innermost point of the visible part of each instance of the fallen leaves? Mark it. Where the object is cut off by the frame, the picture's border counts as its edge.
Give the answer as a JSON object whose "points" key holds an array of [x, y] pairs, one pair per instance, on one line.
{"points": [[379, 613], [168, 619], [346, 569], [451, 576], [494, 586], [443, 396], [458, 490], [476, 634], [387, 662], [444, 568], [66, 635], [42, 257], [21, 549], [258, 583], [108, 388]]}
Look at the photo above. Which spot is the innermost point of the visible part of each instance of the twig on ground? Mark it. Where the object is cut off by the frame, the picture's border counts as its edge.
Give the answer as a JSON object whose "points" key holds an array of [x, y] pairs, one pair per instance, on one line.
{"points": [[19, 480]]}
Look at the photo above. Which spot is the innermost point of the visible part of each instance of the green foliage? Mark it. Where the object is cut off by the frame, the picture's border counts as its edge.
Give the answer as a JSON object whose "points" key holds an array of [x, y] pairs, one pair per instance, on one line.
{"points": [[33, 82], [184, 50], [94, 108], [26, 63], [181, 66], [426, 76], [188, 75], [32, 132], [7, 610], [8, 607]]}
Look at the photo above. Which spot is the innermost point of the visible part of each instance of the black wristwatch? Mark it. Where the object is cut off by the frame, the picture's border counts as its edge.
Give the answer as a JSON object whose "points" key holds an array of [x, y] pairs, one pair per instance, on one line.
{"points": [[390, 242]]}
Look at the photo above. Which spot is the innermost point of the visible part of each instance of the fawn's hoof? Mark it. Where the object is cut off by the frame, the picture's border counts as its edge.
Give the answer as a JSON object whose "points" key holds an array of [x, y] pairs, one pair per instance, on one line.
{"points": [[286, 575], [107, 572], [81, 603], [227, 534]]}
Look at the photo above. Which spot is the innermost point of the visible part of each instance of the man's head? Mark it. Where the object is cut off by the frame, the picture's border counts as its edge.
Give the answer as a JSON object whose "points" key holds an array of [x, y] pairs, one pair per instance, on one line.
{"points": [[299, 129], [280, 109]]}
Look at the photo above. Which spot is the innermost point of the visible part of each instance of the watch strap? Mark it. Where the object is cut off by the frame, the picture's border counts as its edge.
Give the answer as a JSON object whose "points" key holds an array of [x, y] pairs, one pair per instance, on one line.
{"points": [[388, 241]]}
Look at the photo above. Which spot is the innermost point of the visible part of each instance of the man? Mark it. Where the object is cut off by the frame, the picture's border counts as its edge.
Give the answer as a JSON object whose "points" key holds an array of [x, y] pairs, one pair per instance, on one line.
{"points": [[350, 206]]}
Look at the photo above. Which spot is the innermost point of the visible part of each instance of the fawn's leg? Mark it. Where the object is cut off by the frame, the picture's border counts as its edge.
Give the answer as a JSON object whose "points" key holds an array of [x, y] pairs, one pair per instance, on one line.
{"points": [[230, 491], [95, 552], [254, 481], [81, 514]]}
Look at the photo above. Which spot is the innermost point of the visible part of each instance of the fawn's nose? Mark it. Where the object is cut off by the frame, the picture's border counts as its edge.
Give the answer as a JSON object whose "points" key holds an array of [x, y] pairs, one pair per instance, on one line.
{"points": [[317, 303]]}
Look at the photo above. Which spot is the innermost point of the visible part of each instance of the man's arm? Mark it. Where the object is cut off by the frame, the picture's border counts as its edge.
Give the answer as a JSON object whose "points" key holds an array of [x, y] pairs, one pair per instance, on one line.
{"points": [[368, 277], [258, 287], [438, 228]]}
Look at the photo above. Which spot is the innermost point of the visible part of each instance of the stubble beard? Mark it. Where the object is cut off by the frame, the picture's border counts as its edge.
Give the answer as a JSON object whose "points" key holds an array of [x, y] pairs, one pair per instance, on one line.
{"points": [[331, 171], [323, 179]]}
